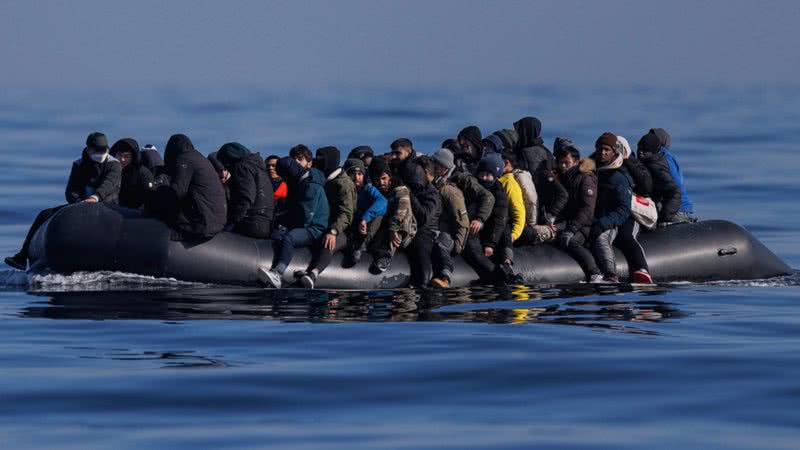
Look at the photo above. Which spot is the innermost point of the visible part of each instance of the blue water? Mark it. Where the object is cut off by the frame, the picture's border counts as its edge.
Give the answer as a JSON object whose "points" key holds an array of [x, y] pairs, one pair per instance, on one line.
{"points": [[109, 360]]}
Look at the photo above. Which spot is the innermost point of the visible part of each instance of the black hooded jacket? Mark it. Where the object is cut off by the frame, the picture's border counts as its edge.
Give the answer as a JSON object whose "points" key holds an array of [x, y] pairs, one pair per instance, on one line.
{"points": [[531, 146], [665, 191], [136, 178], [493, 229], [553, 196], [426, 202], [196, 195], [89, 178], [467, 161], [151, 159], [642, 180], [250, 192]]}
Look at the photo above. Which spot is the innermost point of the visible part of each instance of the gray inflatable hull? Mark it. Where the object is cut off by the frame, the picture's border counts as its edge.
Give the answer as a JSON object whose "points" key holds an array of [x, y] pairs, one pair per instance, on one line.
{"points": [[124, 240]]}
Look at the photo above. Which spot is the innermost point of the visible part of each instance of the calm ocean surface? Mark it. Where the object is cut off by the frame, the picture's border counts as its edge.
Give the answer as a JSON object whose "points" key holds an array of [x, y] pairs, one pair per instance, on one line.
{"points": [[109, 360]]}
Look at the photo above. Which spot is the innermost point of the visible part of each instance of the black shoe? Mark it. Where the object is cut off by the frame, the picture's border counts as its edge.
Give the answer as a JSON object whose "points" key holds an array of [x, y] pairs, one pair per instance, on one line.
{"points": [[18, 261], [308, 279]]}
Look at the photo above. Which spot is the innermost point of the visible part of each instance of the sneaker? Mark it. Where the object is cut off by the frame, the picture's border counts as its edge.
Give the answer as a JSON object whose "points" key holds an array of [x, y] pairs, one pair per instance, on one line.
{"points": [[440, 283], [611, 278], [269, 277], [642, 276], [308, 279], [382, 264], [596, 278], [18, 261]]}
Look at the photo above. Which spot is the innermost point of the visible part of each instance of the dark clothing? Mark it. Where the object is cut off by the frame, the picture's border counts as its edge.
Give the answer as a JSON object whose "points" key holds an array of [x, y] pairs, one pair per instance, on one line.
{"points": [[628, 241], [421, 250], [666, 192], [251, 206], [553, 196], [642, 180], [88, 178], [195, 195], [152, 160], [480, 202], [307, 205], [284, 244], [613, 199], [581, 184], [136, 178], [576, 248], [342, 198], [402, 170], [534, 155], [41, 218], [426, 205], [486, 267], [493, 229]]}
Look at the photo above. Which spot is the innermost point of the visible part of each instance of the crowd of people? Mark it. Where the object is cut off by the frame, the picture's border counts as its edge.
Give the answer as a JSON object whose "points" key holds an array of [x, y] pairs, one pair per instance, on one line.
{"points": [[478, 197]]}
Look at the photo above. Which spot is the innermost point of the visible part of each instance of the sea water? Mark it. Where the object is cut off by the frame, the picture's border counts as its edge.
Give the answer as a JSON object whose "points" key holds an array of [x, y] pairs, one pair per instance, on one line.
{"points": [[111, 360]]}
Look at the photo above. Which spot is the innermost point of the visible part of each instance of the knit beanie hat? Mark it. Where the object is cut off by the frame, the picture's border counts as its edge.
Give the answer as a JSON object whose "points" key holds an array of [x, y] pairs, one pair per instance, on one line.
{"points": [[649, 143], [353, 164], [378, 167], [562, 144], [509, 137], [327, 159], [444, 158], [231, 153], [491, 163], [608, 138]]}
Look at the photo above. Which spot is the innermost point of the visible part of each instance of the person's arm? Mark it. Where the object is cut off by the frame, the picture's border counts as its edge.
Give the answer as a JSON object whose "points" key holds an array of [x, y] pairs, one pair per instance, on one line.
{"points": [[461, 220], [622, 210], [377, 205], [498, 222], [585, 203], [670, 194], [403, 209], [74, 192], [344, 206], [517, 207], [112, 181], [243, 194]]}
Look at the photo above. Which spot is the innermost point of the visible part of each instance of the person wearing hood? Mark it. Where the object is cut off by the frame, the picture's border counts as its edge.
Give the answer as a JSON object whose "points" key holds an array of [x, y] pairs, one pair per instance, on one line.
{"points": [[508, 137], [151, 159], [535, 156], [516, 202], [251, 204], [136, 179], [426, 205], [575, 221], [489, 253], [628, 234], [665, 192], [454, 220], [399, 227], [370, 209], [613, 206], [402, 159], [193, 202], [470, 145], [305, 220], [279, 189], [493, 144], [341, 194], [95, 177], [686, 211]]}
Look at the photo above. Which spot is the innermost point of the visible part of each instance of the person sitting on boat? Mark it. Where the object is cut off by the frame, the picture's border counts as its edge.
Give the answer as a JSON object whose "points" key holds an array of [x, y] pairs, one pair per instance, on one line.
{"points": [[365, 154], [302, 155], [534, 155], [454, 220], [370, 209], [628, 234], [489, 253], [686, 211], [136, 178], [470, 149], [665, 193], [278, 186], [551, 196], [251, 204], [613, 206], [151, 159], [575, 221], [189, 196], [516, 202], [402, 159], [399, 226], [95, 177], [530, 198], [426, 206], [305, 220], [341, 194]]}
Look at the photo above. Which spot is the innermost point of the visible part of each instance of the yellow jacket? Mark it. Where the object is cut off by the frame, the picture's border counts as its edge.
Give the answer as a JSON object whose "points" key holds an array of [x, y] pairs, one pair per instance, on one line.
{"points": [[515, 203]]}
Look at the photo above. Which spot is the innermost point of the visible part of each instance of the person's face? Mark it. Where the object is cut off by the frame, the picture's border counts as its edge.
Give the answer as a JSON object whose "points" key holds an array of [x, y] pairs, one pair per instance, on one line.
{"points": [[439, 170], [304, 163], [465, 145], [384, 183], [507, 167], [273, 174], [565, 163], [485, 176], [224, 176], [124, 158], [401, 153], [358, 178], [429, 176], [607, 155], [643, 154]]}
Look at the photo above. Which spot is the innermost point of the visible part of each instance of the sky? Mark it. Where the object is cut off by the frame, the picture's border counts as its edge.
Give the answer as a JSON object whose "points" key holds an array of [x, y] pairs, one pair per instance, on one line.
{"points": [[300, 44]]}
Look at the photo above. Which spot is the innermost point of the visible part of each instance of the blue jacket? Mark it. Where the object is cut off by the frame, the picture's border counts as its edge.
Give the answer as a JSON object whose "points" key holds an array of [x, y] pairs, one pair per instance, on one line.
{"points": [[675, 170], [370, 204], [310, 209], [613, 207]]}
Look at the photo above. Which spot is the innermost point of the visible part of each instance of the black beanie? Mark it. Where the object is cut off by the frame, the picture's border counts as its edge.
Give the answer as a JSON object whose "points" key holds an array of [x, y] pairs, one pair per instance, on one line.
{"points": [[361, 152], [378, 167], [327, 159], [649, 143], [231, 153], [289, 169]]}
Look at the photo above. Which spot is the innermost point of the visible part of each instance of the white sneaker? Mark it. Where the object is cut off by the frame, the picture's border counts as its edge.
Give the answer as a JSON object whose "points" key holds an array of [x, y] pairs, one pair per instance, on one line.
{"points": [[596, 278], [269, 277]]}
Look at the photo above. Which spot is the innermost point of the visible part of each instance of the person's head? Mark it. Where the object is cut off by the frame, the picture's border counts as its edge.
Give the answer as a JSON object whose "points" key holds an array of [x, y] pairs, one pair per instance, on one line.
{"points": [[97, 147], [302, 155], [381, 175], [289, 169], [222, 172], [566, 153], [606, 148], [508, 137], [271, 161], [364, 153], [402, 149], [469, 140], [354, 168], [126, 151], [529, 130], [452, 145], [231, 153], [509, 160], [489, 169], [663, 136], [443, 162], [327, 159], [624, 147], [427, 164], [648, 146], [493, 143]]}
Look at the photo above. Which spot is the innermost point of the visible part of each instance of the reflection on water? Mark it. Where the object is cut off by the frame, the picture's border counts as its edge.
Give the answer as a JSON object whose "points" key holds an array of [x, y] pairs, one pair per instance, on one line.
{"points": [[616, 307]]}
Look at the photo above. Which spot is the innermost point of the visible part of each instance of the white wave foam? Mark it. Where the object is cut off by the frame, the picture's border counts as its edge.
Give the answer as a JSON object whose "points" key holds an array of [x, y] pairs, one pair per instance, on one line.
{"points": [[88, 281], [792, 280]]}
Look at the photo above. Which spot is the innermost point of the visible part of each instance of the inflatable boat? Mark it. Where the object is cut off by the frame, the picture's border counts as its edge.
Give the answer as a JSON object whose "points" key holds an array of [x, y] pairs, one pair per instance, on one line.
{"points": [[95, 237]]}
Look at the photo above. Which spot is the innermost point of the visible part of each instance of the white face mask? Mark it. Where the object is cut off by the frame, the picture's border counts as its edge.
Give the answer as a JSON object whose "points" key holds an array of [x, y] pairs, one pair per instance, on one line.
{"points": [[99, 157]]}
